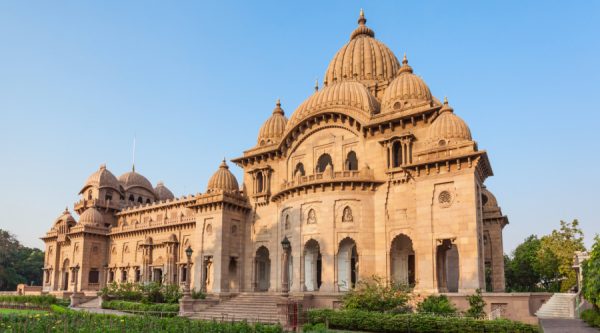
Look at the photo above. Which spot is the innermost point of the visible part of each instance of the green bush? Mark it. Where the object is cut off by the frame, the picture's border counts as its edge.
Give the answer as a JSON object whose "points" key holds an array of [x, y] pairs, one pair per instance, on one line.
{"points": [[40, 300], [374, 294], [591, 317], [439, 305], [357, 320], [172, 293], [152, 292], [197, 294], [78, 321], [159, 309], [476, 306], [314, 328]]}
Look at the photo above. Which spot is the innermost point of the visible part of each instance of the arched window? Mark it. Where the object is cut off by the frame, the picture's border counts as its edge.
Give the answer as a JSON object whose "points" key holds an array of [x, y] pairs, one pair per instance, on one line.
{"points": [[140, 200], [299, 171], [396, 154], [148, 201], [351, 161], [108, 196], [323, 161], [90, 195], [131, 198], [286, 225], [260, 186]]}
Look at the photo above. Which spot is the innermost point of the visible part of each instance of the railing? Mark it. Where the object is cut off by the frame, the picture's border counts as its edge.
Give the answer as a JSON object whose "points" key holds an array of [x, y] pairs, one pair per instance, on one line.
{"points": [[327, 175]]}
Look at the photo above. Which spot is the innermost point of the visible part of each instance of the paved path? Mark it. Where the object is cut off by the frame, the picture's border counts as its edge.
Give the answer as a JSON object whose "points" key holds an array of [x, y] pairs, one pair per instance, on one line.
{"points": [[566, 326], [103, 311]]}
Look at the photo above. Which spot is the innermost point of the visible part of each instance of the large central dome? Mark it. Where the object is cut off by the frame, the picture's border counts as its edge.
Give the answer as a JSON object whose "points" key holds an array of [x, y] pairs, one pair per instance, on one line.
{"points": [[365, 59]]}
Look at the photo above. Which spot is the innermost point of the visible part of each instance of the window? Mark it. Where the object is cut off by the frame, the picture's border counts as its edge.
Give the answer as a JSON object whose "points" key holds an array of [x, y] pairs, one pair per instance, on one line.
{"points": [[148, 201], [123, 275], [323, 162], [260, 186], [111, 276], [108, 196], [396, 154], [138, 275], [90, 195], [287, 222], [299, 171], [131, 198], [351, 161], [183, 273], [140, 200], [93, 276]]}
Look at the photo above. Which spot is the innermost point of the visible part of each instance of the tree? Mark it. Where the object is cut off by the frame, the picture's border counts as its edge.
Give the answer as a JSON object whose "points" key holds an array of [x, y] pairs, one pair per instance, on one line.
{"points": [[556, 253], [18, 264], [591, 275], [520, 271]]}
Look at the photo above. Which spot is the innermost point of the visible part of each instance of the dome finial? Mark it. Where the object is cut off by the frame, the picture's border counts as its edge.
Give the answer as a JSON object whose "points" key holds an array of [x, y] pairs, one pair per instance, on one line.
{"points": [[446, 107], [278, 109], [404, 60], [445, 100], [361, 17], [224, 164], [316, 85], [278, 102], [405, 68]]}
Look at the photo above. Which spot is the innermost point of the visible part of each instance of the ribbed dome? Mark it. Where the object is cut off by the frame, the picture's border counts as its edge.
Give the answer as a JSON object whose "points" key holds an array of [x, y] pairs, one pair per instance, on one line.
{"points": [[448, 128], [91, 216], [162, 192], [223, 180], [348, 94], [133, 179], [272, 130], [405, 91], [102, 178], [362, 58]]}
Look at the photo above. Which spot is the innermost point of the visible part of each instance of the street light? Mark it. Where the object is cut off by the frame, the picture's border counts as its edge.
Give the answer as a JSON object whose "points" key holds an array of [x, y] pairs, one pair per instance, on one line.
{"points": [[188, 253], [285, 243]]}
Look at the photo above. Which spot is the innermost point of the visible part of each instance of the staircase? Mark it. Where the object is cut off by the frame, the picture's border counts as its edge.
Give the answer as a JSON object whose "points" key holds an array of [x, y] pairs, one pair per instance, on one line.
{"points": [[560, 305], [95, 303], [250, 307]]}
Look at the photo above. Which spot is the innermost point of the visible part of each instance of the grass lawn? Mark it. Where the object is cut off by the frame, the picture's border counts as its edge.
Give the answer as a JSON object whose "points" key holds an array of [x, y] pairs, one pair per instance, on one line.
{"points": [[22, 312]]}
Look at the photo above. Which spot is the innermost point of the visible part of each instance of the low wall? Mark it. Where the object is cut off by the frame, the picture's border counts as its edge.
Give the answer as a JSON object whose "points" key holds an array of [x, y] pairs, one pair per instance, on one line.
{"points": [[515, 306], [23, 289]]}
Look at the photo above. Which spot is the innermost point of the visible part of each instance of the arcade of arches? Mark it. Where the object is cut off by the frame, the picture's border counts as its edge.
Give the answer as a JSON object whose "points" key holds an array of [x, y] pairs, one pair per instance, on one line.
{"points": [[370, 175]]}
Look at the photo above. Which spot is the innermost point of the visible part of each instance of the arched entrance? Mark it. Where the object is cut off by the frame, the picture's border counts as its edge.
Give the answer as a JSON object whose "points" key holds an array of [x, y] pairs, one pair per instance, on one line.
{"points": [[312, 265], [402, 260], [233, 274], [262, 269], [447, 260], [65, 275], [347, 264]]}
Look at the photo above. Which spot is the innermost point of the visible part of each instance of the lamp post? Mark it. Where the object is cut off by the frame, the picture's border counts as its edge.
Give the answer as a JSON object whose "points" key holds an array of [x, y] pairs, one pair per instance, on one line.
{"points": [[286, 245], [188, 253]]}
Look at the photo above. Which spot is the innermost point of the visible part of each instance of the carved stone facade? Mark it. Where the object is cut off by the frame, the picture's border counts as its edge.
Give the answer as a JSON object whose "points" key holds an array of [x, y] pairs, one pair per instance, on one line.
{"points": [[370, 175]]}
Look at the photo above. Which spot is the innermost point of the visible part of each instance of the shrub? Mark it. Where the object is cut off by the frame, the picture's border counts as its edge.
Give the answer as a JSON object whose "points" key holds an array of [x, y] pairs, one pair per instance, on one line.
{"points": [[476, 305], [439, 305], [152, 292], [160, 309], [374, 294], [357, 320], [172, 293], [77, 321], [591, 317], [38, 300], [316, 328], [197, 294]]}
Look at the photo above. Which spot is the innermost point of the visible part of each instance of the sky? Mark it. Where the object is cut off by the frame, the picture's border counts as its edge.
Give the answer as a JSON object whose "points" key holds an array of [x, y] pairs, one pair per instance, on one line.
{"points": [[193, 82]]}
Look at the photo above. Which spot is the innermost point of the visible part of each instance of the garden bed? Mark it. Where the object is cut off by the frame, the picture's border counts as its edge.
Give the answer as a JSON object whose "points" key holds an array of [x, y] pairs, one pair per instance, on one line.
{"points": [[156, 309]]}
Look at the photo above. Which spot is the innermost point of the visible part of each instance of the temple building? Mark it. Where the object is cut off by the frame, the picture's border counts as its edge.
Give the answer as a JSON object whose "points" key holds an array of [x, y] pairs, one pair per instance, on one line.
{"points": [[370, 175]]}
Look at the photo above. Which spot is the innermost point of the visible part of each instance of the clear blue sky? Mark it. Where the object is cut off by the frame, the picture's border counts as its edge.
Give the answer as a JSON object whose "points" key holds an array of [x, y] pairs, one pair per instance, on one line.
{"points": [[194, 82]]}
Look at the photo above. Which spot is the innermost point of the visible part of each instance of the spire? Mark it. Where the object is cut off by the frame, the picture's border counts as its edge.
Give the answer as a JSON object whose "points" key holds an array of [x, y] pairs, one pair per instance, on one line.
{"points": [[405, 68], [224, 164], [278, 109], [316, 85], [446, 107], [362, 29], [361, 17], [133, 160]]}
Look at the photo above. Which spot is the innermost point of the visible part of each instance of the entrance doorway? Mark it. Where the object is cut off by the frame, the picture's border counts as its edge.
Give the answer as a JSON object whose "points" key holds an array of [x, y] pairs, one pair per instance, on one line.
{"points": [[263, 269], [157, 275], [448, 272], [312, 266], [347, 264], [402, 260]]}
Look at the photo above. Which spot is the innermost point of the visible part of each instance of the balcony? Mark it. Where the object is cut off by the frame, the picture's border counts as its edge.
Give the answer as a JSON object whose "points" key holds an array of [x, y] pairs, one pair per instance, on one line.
{"points": [[99, 203], [341, 180]]}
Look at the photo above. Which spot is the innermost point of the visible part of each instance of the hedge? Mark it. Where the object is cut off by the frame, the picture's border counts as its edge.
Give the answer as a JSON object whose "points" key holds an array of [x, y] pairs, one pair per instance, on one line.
{"points": [[80, 321], [591, 317], [171, 309], [415, 323], [40, 300]]}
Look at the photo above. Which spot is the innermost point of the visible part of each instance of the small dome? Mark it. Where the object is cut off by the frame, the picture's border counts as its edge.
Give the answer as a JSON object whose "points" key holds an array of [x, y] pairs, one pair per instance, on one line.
{"points": [[272, 130], [133, 179], [65, 217], [91, 216], [102, 178], [406, 90], [162, 192], [347, 94], [222, 180], [448, 128], [363, 58], [488, 199]]}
